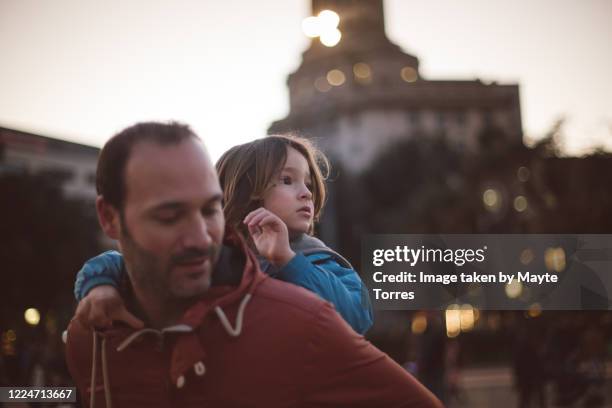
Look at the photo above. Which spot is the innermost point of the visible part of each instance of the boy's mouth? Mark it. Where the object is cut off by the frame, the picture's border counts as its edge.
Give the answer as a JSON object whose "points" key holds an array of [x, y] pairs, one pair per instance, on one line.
{"points": [[305, 210]]}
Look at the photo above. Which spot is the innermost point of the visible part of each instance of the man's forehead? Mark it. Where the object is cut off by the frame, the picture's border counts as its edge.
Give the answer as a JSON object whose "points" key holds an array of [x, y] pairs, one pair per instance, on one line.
{"points": [[176, 203], [148, 147], [149, 155], [175, 172]]}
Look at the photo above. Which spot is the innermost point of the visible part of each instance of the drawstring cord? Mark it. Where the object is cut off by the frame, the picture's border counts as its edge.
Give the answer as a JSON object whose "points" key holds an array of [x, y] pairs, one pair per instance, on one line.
{"points": [[179, 328], [200, 369], [94, 363], [234, 332], [107, 392], [105, 380]]}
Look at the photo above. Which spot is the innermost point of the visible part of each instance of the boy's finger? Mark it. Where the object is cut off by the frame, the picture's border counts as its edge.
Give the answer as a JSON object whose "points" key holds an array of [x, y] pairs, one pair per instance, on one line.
{"points": [[256, 219], [252, 214], [254, 230], [99, 319], [269, 220], [82, 313], [123, 315]]}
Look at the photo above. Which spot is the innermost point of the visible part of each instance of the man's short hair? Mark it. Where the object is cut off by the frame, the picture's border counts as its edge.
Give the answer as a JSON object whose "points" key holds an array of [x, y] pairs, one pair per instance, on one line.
{"points": [[110, 174]]}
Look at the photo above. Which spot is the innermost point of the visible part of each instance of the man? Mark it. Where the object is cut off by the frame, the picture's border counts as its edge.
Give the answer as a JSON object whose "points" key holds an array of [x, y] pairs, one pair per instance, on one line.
{"points": [[218, 331]]}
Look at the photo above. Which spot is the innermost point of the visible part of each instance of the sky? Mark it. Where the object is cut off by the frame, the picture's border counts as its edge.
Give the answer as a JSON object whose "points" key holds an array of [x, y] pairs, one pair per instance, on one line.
{"points": [[81, 70]]}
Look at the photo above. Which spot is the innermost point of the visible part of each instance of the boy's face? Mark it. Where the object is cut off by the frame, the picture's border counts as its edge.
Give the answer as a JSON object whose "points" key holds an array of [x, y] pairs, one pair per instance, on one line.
{"points": [[173, 222], [290, 196]]}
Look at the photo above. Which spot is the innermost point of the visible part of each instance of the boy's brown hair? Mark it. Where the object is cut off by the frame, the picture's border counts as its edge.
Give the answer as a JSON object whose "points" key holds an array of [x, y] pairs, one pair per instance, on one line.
{"points": [[247, 171]]}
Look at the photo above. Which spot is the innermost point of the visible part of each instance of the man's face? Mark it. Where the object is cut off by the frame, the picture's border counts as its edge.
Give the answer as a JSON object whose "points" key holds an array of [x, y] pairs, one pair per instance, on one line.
{"points": [[173, 223]]}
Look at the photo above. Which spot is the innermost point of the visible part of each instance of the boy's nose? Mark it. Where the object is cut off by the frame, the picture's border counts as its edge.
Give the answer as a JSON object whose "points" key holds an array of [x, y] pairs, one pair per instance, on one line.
{"points": [[305, 193]]}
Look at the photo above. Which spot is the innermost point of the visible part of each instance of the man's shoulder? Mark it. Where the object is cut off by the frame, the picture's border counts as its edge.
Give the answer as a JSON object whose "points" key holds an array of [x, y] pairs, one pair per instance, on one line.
{"points": [[79, 351], [289, 297]]}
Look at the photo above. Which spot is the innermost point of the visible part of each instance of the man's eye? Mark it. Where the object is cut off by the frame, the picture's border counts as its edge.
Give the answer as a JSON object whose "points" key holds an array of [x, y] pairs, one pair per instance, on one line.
{"points": [[208, 211], [167, 219]]}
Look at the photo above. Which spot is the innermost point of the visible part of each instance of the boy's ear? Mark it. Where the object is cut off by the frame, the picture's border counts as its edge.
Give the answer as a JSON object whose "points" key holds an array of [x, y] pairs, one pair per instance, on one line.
{"points": [[108, 217]]}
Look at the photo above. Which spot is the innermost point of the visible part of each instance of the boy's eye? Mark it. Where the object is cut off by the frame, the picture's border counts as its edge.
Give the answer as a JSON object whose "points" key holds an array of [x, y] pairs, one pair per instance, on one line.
{"points": [[286, 180]]}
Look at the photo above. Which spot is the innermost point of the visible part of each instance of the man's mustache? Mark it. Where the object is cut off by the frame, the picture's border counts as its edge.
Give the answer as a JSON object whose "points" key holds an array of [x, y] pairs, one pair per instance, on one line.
{"points": [[193, 254]]}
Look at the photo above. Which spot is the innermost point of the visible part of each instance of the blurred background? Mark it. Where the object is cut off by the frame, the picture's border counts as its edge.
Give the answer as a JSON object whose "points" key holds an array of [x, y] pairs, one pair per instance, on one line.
{"points": [[445, 117]]}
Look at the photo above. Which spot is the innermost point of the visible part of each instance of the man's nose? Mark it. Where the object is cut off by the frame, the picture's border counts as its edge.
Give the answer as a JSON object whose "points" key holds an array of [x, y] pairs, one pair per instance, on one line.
{"points": [[197, 234]]}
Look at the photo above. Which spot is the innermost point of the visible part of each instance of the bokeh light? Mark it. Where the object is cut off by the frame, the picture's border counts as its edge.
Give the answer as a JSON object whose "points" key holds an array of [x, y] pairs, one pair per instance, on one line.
{"points": [[409, 74], [328, 19], [362, 72], [514, 289], [467, 318], [554, 259], [523, 174], [491, 199], [324, 26], [527, 256], [453, 321], [520, 203], [32, 316], [335, 77], [330, 38], [419, 323], [535, 310]]}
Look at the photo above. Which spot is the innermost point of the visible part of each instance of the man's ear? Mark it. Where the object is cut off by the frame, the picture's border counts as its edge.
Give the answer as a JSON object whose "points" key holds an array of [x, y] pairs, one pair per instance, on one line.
{"points": [[108, 216]]}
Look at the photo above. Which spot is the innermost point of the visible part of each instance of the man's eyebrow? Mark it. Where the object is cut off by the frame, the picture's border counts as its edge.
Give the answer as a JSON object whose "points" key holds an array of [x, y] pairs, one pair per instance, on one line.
{"points": [[177, 205], [214, 199], [169, 205]]}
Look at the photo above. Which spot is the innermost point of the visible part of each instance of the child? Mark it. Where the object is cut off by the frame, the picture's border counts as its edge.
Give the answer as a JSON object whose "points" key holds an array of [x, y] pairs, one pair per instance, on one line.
{"points": [[273, 192]]}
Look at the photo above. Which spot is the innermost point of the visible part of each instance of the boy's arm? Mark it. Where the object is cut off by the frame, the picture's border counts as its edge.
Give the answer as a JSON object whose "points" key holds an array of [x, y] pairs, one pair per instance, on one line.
{"points": [[104, 269], [96, 288], [340, 286]]}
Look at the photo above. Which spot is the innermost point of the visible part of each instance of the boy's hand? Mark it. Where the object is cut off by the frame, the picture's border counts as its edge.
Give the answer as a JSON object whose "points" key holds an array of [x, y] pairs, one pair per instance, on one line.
{"points": [[102, 306], [270, 236]]}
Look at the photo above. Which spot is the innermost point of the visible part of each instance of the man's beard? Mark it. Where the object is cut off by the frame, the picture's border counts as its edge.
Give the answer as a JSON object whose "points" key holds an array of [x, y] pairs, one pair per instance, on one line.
{"points": [[152, 274]]}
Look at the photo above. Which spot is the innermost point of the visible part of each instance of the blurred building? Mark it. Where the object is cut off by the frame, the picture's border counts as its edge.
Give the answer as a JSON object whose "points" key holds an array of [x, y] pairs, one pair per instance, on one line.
{"points": [[433, 156], [49, 228], [357, 93], [74, 163]]}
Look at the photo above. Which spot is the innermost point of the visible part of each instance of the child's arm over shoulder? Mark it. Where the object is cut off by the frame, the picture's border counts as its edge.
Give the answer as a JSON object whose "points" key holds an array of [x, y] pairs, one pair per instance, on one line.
{"points": [[321, 274], [104, 269], [97, 290]]}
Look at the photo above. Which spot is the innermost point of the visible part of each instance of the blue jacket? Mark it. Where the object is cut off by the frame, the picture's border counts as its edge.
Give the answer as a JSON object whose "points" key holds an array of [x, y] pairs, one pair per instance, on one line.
{"points": [[317, 269]]}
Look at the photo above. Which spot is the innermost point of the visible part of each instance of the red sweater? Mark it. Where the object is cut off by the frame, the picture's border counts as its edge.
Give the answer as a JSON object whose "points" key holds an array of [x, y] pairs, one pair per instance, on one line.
{"points": [[292, 350]]}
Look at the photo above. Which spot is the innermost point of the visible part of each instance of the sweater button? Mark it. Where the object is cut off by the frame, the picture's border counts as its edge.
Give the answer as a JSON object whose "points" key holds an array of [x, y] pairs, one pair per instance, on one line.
{"points": [[180, 382], [199, 368]]}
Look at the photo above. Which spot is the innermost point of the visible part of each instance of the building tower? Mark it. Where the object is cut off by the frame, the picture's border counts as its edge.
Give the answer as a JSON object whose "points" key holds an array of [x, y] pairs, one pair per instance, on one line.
{"points": [[359, 95]]}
